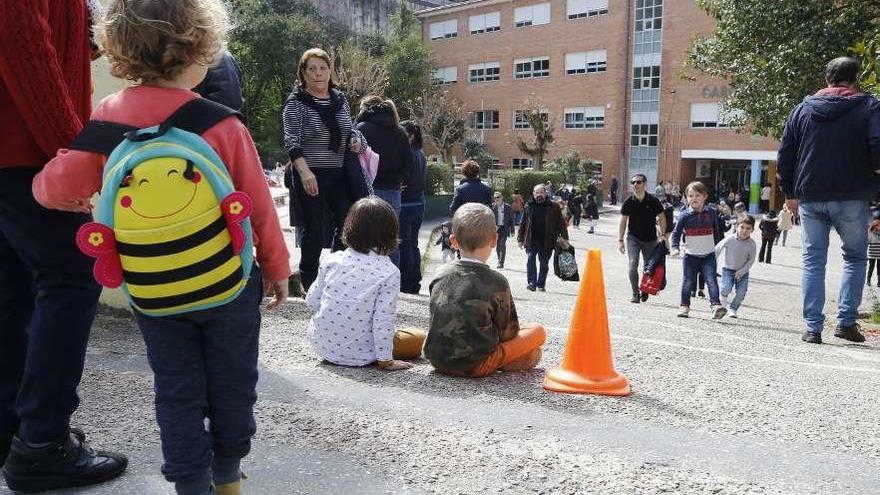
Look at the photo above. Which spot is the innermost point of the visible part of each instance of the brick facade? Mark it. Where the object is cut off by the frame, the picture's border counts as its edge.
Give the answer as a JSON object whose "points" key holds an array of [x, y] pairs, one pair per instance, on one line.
{"points": [[611, 89]]}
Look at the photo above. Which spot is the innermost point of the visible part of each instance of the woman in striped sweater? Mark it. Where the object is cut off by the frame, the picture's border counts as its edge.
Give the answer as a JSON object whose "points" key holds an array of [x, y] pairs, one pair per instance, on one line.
{"points": [[317, 129]]}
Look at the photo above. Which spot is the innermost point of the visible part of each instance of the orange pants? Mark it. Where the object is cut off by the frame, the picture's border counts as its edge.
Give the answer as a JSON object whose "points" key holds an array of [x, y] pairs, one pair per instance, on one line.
{"points": [[522, 352]]}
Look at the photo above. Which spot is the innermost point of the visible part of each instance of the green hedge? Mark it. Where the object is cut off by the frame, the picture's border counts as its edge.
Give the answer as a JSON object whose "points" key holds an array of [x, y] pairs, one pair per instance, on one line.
{"points": [[508, 181], [439, 179]]}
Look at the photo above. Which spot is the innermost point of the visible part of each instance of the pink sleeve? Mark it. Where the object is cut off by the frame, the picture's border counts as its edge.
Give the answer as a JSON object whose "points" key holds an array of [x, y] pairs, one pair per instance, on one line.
{"points": [[72, 175], [233, 143]]}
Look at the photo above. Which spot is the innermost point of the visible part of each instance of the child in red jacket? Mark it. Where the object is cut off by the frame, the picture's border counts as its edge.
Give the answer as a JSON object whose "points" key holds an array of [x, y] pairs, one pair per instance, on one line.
{"points": [[167, 46]]}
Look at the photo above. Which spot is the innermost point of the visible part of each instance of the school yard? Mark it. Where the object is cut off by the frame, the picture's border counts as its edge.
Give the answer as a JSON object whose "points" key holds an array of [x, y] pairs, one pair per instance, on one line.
{"points": [[718, 407]]}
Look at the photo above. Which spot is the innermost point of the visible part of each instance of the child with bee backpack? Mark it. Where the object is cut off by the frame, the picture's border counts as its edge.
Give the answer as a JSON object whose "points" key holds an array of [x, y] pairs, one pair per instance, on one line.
{"points": [[184, 205]]}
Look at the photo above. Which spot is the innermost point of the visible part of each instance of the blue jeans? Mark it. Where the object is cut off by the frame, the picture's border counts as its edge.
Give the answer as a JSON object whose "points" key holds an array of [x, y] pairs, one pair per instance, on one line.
{"points": [[410, 257], [702, 264], [729, 282], [392, 197], [48, 300], [205, 367], [850, 219], [536, 277]]}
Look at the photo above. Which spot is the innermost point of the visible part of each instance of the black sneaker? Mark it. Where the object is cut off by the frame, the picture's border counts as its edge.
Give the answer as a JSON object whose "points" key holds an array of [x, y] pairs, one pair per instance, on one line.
{"points": [[541, 289], [635, 299], [644, 296], [701, 293], [530, 287], [66, 464], [850, 333], [812, 338]]}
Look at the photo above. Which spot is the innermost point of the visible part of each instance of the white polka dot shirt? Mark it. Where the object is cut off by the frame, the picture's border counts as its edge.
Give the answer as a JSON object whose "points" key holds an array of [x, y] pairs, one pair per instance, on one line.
{"points": [[354, 299]]}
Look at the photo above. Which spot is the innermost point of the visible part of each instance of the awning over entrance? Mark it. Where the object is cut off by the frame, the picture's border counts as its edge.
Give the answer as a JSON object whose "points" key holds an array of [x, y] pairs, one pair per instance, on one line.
{"points": [[729, 154]]}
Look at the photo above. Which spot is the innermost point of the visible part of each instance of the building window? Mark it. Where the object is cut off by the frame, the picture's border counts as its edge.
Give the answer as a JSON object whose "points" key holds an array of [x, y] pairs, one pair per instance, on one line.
{"points": [[646, 77], [520, 122], [533, 15], [521, 162], [526, 68], [575, 9], [488, 71], [484, 119], [444, 29], [585, 62], [585, 118], [649, 15], [644, 135], [710, 115], [485, 23], [446, 75]]}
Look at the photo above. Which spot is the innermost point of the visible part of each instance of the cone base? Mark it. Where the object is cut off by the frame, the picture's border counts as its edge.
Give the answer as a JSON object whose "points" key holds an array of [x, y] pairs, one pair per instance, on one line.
{"points": [[568, 382]]}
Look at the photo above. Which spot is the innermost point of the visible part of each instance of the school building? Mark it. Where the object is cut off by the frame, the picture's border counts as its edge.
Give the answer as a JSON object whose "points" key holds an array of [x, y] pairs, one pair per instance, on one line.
{"points": [[609, 73]]}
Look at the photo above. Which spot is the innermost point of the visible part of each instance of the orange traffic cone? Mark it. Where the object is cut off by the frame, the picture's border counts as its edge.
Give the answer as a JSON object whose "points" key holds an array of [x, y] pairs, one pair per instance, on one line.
{"points": [[586, 365]]}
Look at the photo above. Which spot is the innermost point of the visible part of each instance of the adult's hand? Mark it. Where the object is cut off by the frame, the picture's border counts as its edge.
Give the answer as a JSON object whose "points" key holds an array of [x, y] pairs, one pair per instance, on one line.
{"points": [[355, 145], [792, 206], [309, 182], [621, 246]]}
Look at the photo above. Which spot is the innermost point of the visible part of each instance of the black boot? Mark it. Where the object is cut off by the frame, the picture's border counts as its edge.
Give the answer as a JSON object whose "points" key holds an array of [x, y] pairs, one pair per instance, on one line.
{"points": [[65, 464]]}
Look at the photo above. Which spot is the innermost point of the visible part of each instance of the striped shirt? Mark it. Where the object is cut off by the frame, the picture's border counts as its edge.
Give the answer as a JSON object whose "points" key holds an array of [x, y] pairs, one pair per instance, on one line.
{"points": [[305, 134]]}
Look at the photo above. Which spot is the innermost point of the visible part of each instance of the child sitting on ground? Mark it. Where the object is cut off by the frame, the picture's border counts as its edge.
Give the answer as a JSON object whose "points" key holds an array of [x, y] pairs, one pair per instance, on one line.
{"points": [[701, 227], [474, 330], [443, 242], [355, 295], [739, 256], [204, 361]]}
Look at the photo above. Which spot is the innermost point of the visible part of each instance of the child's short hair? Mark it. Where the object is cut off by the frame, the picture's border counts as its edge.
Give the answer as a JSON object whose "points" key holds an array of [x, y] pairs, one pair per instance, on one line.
{"points": [[739, 206], [371, 225], [473, 225], [748, 220], [151, 40], [697, 187]]}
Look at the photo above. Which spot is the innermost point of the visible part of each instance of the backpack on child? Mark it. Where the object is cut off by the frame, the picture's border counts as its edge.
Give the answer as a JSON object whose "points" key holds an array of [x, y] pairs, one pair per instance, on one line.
{"points": [[169, 226]]}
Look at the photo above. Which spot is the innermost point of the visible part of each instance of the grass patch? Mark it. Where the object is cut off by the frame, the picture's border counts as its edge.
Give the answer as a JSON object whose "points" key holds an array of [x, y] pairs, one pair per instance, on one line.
{"points": [[874, 315]]}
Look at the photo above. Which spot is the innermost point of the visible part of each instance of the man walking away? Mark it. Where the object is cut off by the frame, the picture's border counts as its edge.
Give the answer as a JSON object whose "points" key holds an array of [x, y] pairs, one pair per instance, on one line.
{"points": [[639, 217], [504, 222], [827, 164]]}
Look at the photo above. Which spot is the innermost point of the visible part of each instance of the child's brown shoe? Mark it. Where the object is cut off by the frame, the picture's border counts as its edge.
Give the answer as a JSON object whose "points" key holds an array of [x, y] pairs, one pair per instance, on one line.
{"points": [[233, 488]]}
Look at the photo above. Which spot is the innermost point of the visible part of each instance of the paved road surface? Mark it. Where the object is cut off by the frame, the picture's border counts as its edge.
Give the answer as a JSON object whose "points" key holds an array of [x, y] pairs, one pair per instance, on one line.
{"points": [[718, 407]]}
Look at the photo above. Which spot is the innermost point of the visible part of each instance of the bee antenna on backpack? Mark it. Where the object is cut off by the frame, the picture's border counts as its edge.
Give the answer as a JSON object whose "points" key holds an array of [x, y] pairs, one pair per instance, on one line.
{"points": [[189, 173]]}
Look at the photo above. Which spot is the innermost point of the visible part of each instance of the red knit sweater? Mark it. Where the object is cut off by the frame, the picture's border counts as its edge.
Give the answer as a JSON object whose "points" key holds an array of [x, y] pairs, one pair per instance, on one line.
{"points": [[45, 78]]}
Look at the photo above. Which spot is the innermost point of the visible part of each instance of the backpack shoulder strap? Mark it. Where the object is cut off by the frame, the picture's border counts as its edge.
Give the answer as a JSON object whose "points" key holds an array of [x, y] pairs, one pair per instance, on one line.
{"points": [[101, 137], [196, 116]]}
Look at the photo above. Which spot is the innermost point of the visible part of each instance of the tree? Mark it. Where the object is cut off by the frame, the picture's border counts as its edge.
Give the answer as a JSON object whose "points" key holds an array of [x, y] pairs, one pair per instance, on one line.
{"points": [[441, 118], [869, 52], [409, 62], [773, 53], [542, 130], [268, 40], [576, 170], [476, 150], [358, 74]]}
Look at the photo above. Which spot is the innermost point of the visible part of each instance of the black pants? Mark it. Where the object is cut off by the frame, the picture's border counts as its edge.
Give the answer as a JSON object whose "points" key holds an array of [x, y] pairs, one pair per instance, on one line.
{"points": [[576, 216], [501, 246], [871, 264], [332, 191], [48, 300], [766, 245]]}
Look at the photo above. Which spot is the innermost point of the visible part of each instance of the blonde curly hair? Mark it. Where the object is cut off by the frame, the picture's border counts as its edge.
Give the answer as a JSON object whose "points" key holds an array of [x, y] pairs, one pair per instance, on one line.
{"points": [[151, 40]]}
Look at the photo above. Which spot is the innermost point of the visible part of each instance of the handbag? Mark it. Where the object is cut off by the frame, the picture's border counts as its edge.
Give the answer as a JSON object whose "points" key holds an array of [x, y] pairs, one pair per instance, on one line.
{"points": [[565, 264], [358, 185]]}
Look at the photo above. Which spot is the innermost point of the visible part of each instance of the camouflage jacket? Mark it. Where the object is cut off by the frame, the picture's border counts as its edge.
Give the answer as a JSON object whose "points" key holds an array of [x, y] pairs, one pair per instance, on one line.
{"points": [[472, 311]]}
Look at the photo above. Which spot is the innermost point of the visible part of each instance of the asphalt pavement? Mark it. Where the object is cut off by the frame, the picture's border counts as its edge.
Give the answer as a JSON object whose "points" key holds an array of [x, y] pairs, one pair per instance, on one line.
{"points": [[718, 407]]}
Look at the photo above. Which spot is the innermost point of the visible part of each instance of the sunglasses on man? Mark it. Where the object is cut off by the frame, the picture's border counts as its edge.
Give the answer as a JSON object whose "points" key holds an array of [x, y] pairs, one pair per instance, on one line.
{"points": [[634, 182]]}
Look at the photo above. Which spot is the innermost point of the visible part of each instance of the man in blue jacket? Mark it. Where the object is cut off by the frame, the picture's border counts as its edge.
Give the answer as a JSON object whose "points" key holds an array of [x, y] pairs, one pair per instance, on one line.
{"points": [[828, 163]]}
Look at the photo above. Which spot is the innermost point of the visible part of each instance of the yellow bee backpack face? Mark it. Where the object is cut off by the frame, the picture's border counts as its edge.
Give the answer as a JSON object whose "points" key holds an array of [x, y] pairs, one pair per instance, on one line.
{"points": [[170, 228]]}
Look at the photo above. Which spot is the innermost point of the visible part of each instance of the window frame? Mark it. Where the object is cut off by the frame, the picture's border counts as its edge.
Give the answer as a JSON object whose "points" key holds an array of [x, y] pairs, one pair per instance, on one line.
{"points": [[485, 67], [531, 73], [486, 29], [596, 11], [473, 121], [518, 13], [446, 33], [589, 119]]}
